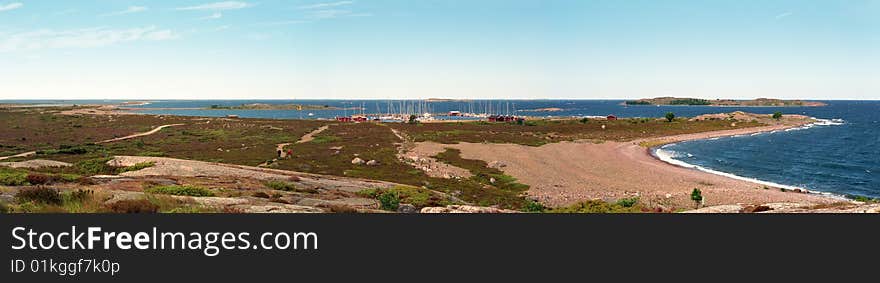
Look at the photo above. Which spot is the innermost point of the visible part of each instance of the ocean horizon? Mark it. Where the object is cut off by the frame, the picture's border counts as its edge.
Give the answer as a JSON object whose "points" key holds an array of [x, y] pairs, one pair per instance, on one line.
{"points": [[836, 157]]}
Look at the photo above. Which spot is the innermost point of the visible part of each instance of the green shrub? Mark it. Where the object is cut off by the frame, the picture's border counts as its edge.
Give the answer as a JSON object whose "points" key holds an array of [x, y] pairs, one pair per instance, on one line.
{"points": [[42, 195], [96, 166], [177, 190], [12, 177], [697, 196], [3, 208], [863, 198], [138, 166], [69, 178], [389, 201], [628, 202], [670, 116], [596, 206], [280, 185], [133, 206], [777, 115], [70, 149], [534, 207], [585, 120]]}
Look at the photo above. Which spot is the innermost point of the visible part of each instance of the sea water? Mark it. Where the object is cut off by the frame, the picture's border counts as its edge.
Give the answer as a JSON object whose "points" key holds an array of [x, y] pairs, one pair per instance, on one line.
{"points": [[839, 155]]}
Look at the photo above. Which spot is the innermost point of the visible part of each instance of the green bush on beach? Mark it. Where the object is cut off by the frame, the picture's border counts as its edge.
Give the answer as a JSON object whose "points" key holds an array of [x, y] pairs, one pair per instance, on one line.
{"points": [[777, 115], [597, 206]]}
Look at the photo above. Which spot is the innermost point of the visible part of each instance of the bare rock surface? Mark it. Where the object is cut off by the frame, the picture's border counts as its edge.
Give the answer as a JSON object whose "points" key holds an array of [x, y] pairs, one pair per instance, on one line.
{"points": [[35, 163], [465, 209]]}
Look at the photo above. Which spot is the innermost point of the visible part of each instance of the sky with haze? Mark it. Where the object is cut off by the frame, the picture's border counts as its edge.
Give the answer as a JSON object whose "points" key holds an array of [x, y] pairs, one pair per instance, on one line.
{"points": [[409, 49]]}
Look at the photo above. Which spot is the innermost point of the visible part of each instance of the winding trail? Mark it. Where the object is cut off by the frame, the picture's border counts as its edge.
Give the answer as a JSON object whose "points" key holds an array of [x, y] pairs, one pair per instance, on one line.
{"points": [[304, 139], [153, 131], [311, 136], [26, 154]]}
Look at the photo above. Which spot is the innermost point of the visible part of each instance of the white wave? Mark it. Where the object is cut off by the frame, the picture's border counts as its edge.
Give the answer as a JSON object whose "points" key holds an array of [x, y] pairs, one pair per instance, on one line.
{"points": [[669, 156]]}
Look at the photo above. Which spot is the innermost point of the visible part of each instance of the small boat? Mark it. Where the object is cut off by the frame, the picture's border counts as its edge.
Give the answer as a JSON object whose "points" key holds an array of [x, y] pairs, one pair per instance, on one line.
{"points": [[311, 114]]}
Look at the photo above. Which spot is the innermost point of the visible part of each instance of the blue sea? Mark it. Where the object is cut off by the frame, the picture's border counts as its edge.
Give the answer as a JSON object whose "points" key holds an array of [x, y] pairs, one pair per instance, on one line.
{"points": [[840, 155]]}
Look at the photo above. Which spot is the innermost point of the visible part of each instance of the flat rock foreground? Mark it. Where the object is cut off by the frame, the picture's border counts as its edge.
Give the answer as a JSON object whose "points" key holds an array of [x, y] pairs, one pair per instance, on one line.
{"points": [[95, 159]]}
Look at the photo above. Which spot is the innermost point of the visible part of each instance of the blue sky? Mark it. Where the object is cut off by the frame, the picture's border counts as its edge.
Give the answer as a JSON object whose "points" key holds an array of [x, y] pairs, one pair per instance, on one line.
{"points": [[518, 49]]}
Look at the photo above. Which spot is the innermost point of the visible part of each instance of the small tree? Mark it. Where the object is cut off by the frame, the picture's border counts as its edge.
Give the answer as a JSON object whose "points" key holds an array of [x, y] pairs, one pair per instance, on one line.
{"points": [[697, 197], [777, 115], [670, 116], [413, 119], [585, 120], [389, 200]]}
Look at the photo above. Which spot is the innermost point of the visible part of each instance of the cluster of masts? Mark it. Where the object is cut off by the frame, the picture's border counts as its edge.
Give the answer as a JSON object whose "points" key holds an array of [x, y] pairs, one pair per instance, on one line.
{"points": [[423, 110]]}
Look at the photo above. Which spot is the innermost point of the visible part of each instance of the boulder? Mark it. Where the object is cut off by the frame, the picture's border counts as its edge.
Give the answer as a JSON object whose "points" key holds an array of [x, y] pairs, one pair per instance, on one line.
{"points": [[357, 161], [372, 163], [406, 208], [497, 164]]}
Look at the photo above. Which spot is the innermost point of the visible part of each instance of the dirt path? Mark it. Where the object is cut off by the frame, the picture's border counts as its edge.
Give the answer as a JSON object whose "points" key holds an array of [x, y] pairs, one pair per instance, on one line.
{"points": [[304, 139], [26, 154], [311, 136], [153, 131]]}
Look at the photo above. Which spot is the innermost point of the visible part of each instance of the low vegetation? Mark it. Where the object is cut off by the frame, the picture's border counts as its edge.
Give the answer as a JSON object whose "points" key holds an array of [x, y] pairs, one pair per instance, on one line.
{"points": [[597, 206], [280, 185], [389, 200], [138, 166], [392, 197], [180, 190], [40, 195], [13, 177], [697, 197], [133, 206]]}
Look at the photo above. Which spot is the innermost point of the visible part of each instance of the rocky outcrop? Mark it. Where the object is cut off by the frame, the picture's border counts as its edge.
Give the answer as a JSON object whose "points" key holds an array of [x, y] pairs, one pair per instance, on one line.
{"points": [[36, 163], [840, 207], [465, 209]]}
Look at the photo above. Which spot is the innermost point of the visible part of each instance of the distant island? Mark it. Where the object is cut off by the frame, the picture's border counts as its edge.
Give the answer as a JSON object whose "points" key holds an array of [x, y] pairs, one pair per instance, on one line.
{"points": [[760, 102], [264, 106]]}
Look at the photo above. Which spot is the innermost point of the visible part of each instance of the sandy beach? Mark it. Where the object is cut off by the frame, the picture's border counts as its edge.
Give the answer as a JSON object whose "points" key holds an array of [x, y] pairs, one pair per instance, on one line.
{"points": [[563, 173]]}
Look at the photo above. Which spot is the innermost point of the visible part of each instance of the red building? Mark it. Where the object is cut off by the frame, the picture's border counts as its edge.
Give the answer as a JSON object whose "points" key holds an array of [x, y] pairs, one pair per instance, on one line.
{"points": [[611, 118]]}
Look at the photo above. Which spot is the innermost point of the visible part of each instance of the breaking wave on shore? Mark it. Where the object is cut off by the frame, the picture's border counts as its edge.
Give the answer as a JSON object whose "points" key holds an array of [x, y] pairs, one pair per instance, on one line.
{"points": [[673, 157]]}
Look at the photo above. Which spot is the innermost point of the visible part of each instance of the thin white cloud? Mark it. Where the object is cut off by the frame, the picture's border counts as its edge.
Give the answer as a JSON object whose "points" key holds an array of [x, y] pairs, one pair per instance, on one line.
{"points": [[214, 16], [81, 38], [129, 10], [282, 23], [218, 6], [326, 5], [65, 12], [783, 15], [328, 14], [10, 6]]}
